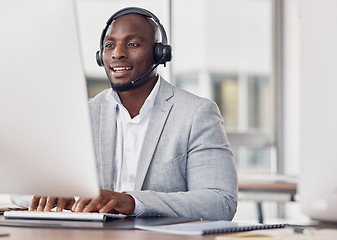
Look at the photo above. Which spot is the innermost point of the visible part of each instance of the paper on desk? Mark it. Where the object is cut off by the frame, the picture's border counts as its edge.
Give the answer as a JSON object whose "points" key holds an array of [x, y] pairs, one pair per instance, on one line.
{"points": [[211, 227], [281, 234]]}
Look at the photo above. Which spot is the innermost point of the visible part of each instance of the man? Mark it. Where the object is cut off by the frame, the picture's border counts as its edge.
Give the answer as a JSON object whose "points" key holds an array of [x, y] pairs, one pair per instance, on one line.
{"points": [[160, 151]]}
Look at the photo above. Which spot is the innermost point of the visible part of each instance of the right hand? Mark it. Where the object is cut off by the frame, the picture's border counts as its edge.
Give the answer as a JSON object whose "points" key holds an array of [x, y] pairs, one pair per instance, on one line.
{"points": [[45, 204]]}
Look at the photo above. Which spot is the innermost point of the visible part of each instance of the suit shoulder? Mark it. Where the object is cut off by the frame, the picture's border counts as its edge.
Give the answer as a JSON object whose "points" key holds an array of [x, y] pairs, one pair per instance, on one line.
{"points": [[98, 99], [188, 98]]}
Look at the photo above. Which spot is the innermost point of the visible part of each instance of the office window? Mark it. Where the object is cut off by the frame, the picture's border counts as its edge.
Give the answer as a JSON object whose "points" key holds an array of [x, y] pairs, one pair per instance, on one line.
{"points": [[223, 50]]}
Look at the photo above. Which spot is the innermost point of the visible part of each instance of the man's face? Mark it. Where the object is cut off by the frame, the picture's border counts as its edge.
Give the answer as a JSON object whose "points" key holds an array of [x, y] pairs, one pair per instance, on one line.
{"points": [[128, 50]]}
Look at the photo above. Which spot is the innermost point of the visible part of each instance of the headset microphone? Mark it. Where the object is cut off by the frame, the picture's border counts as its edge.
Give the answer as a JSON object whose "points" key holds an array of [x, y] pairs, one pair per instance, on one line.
{"points": [[134, 82]]}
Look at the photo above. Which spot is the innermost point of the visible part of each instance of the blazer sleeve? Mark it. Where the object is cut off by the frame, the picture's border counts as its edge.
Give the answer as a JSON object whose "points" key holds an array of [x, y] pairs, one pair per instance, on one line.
{"points": [[211, 176], [21, 200]]}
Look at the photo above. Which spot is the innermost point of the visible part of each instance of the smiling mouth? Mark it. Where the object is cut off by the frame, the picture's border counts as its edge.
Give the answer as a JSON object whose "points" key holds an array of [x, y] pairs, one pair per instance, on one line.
{"points": [[118, 69]]}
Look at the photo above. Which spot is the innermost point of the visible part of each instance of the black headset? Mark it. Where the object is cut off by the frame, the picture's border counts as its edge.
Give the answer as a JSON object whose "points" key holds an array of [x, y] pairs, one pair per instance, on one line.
{"points": [[162, 51]]}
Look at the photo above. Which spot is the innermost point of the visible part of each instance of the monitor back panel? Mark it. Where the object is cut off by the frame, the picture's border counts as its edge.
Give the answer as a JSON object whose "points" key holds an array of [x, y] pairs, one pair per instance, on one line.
{"points": [[46, 145]]}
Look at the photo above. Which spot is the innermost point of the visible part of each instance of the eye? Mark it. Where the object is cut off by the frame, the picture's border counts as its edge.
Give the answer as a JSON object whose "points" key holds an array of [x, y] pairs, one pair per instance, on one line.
{"points": [[133, 44], [109, 45]]}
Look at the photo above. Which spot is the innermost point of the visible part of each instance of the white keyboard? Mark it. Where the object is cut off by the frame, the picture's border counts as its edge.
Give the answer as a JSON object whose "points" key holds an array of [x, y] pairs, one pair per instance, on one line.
{"points": [[65, 215]]}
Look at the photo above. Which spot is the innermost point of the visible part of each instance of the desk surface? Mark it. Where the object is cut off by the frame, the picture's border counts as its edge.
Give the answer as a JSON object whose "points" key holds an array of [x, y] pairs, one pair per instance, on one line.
{"points": [[80, 234], [261, 188], [268, 186], [267, 183], [61, 234]]}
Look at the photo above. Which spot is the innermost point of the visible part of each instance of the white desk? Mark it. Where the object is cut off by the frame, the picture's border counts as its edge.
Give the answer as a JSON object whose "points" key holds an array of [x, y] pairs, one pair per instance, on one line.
{"points": [[261, 188], [19, 233]]}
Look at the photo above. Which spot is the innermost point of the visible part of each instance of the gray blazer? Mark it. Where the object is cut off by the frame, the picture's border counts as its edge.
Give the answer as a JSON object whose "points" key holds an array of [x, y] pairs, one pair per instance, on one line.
{"points": [[186, 167]]}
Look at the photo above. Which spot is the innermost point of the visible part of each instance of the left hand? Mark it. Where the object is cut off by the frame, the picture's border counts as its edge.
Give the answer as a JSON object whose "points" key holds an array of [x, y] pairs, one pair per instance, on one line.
{"points": [[107, 202], [45, 204]]}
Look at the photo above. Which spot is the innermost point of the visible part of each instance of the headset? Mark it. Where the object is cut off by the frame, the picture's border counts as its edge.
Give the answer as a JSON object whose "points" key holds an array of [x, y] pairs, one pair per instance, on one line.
{"points": [[162, 51]]}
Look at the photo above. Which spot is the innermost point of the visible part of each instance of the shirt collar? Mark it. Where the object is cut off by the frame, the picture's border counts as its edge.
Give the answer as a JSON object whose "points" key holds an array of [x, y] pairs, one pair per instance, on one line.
{"points": [[113, 98]]}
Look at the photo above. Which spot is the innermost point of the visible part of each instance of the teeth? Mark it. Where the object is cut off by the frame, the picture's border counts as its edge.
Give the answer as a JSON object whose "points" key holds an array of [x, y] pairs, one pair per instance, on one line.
{"points": [[121, 68]]}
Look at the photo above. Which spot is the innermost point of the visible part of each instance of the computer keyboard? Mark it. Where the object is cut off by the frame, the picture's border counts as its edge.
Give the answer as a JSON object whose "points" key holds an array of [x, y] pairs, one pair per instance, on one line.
{"points": [[65, 215]]}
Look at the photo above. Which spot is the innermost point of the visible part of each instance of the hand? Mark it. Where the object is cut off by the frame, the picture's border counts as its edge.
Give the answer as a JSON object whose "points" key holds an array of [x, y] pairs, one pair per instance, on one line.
{"points": [[45, 204], [107, 202]]}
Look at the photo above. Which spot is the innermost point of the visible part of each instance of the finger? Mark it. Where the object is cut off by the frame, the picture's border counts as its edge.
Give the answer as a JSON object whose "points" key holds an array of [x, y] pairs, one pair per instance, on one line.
{"points": [[42, 204], [93, 205], [34, 203], [81, 205], [123, 203], [61, 203], [73, 208], [69, 204], [64, 203], [109, 207], [76, 203], [49, 204]]}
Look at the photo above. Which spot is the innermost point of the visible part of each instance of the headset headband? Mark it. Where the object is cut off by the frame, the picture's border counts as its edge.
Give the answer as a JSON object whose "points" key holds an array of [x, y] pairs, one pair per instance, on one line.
{"points": [[130, 10]]}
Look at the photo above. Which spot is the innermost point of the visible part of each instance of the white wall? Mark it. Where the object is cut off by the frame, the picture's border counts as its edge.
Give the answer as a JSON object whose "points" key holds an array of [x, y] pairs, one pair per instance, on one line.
{"points": [[318, 85], [310, 77], [212, 35], [318, 113]]}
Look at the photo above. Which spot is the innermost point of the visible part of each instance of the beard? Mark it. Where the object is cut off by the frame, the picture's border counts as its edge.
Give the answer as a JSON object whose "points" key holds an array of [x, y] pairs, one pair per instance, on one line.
{"points": [[121, 87], [124, 87]]}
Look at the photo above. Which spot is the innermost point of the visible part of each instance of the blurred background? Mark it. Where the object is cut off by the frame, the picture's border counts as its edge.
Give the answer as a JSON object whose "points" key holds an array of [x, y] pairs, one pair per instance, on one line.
{"points": [[247, 56]]}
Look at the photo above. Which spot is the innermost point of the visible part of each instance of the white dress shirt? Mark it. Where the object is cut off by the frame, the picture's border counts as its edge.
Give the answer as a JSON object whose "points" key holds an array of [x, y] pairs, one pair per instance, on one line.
{"points": [[129, 140]]}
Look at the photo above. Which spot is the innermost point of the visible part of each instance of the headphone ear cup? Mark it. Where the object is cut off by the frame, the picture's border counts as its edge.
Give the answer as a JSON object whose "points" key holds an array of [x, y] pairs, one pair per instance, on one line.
{"points": [[162, 53], [99, 58], [167, 53]]}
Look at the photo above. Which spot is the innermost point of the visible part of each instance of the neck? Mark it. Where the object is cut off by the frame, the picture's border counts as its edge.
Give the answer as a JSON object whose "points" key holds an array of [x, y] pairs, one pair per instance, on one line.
{"points": [[134, 99]]}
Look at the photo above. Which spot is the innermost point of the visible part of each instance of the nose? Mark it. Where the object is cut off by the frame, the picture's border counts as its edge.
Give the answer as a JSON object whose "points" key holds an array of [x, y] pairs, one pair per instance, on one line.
{"points": [[119, 52]]}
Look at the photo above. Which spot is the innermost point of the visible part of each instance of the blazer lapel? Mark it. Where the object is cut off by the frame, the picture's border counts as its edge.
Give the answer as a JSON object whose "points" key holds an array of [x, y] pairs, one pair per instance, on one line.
{"points": [[160, 112], [107, 141]]}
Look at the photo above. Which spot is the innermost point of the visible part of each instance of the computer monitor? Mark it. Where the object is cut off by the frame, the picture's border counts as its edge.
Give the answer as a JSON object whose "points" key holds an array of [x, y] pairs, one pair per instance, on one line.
{"points": [[46, 145]]}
